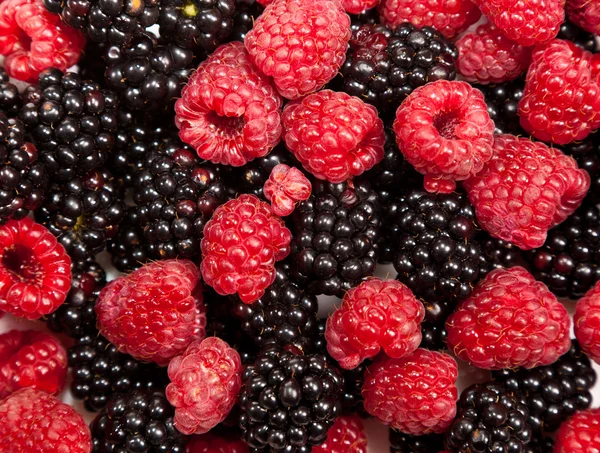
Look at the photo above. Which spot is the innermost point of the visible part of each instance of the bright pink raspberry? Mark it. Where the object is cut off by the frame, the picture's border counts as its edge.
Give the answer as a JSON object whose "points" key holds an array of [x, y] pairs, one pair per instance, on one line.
{"points": [[334, 135], [449, 17], [30, 359], [242, 242], [526, 189], [487, 56], [33, 421], [285, 187], [510, 320], [374, 315], [205, 382], [229, 112], [155, 312], [300, 43], [585, 14], [209, 443], [35, 270], [358, 6], [561, 100], [444, 130], [587, 323], [579, 434], [347, 435], [416, 394]]}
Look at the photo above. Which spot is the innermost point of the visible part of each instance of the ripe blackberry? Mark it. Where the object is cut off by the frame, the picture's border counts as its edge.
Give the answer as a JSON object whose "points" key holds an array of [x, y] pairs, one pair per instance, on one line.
{"points": [[503, 105], [490, 417], [368, 17], [72, 122], [128, 249], [497, 253], [334, 247], [587, 155], [405, 443], [137, 421], [10, 99], [352, 399], [246, 12], [582, 38], [289, 401], [553, 392]]}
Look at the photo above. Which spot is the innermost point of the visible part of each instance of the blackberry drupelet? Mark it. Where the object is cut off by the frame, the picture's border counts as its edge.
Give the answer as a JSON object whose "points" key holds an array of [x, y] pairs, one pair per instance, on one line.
{"points": [[503, 105], [10, 99], [490, 418], [352, 399], [336, 230], [289, 401], [72, 122], [553, 392], [246, 13], [497, 253], [587, 155], [582, 38], [128, 249], [405, 443], [368, 17], [138, 421]]}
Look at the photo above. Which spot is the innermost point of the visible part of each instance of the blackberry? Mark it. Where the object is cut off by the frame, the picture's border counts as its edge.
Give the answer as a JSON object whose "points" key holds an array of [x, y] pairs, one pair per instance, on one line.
{"points": [[289, 401], [352, 399], [405, 443], [490, 418], [367, 17], [128, 249], [246, 12], [72, 122], [569, 260], [587, 155], [503, 105], [553, 392], [582, 38], [138, 421], [497, 253], [334, 247], [10, 99]]}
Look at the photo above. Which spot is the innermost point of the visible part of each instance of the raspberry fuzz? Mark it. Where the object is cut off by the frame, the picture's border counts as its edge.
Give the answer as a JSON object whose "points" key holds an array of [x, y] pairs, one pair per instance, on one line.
{"points": [[579, 434], [587, 323], [285, 187]]}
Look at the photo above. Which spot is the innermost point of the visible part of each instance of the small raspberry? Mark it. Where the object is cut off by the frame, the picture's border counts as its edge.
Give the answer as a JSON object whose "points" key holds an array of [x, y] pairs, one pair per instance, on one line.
{"points": [[300, 43], [585, 14], [525, 189], [587, 323], [510, 320], [525, 22], [358, 6], [241, 244], [334, 135], [444, 130], [209, 443], [33, 421], [416, 394], [561, 100], [347, 435], [155, 312], [35, 270], [579, 434], [449, 17], [229, 112], [205, 382], [30, 359], [374, 315], [487, 56], [285, 187], [33, 39]]}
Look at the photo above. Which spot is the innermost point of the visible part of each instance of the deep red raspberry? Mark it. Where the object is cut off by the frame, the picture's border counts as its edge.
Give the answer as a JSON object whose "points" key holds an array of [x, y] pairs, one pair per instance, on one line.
{"points": [[241, 244], [33, 39], [526, 22], [155, 312], [444, 130], [33, 421], [510, 320], [205, 382], [35, 270], [416, 394], [300, 43], [209, 443], [561, 100], [526, 189], [347, 435], [449, 17], [358, 6], [585, 14], [229, 112], [334, 135], [374, 315], [487, 56], [587, 323], [285, 187], [30, 359], [580, 433]]}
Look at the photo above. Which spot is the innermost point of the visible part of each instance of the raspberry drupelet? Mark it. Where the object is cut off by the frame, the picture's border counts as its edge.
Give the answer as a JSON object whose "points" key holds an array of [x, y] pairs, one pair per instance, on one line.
{"points": [[579, 434], [587, 323], [285, 187], [347, 435], [585, 14], [358, 6]]}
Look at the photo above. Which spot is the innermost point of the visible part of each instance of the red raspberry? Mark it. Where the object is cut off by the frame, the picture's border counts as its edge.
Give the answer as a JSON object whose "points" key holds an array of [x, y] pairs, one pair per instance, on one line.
{"points": [[487, 56], [209, 443], [525, 189], [285, 187], [35, 270], [510, 320], [155, 312], [30, 359], [334, 135], [33, 39], [587, 323], [358, 6], [300, 43], [525, 22], [241, 244], [347, 435], [585, 14], [205, 382], [449, 17], [444, 130], [579, 434], [374, 315], [416, 394], [561, 100], [229, 112], [33, 421]]}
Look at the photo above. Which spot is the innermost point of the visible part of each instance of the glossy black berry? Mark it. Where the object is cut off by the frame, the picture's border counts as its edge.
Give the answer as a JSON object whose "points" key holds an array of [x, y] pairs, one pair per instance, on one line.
{"points": [[570, 31], [352, 399], [497, 253], [587, 154], [10, 99], [503, 105], [246, 12], [404, 443]]}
